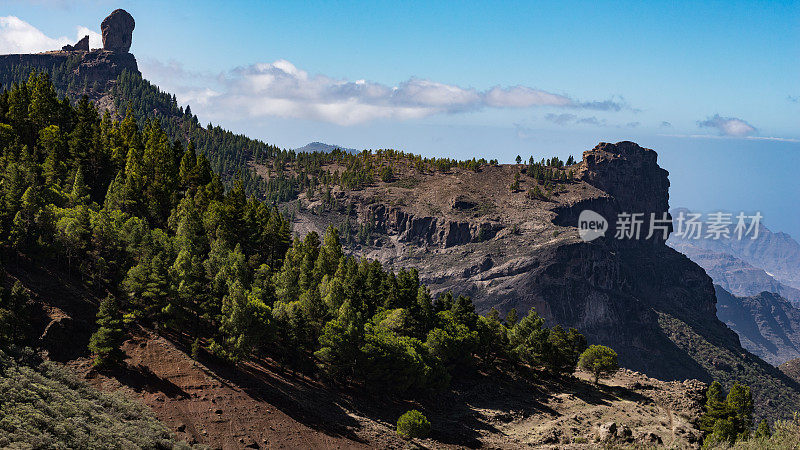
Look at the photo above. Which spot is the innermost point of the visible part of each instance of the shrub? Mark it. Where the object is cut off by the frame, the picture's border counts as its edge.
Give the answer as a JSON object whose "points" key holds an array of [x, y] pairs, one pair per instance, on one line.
{"points": [[413, 424], [599, 360], [386, 174]]}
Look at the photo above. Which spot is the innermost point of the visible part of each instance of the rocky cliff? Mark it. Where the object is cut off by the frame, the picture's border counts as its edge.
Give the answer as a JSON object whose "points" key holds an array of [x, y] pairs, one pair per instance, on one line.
{"points": [[468, 232]]}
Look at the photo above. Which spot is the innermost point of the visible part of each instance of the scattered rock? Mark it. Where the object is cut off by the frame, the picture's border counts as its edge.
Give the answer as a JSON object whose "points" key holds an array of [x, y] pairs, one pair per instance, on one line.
{"points": [[181, 427]]}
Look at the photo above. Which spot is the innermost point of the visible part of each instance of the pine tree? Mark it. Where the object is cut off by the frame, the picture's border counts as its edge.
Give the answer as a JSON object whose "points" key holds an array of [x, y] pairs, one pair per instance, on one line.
{"points": [[511, 318], [106, 341]]}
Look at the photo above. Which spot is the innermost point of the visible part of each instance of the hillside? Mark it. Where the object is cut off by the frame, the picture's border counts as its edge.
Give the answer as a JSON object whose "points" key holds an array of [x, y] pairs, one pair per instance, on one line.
{"points": [[399, 283], [767, 324], [46, 406], [124, 257]]}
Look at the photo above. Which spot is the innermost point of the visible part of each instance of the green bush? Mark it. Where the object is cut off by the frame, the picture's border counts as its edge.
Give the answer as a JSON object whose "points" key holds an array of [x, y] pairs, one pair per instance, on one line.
{"points": [[413, 424]]}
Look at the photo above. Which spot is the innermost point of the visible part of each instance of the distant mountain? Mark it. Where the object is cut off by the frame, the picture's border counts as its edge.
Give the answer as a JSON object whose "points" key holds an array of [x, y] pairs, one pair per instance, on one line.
{"points": [[322, 147], [735, 275], [747, 267], [767, 324], [776, 253]]}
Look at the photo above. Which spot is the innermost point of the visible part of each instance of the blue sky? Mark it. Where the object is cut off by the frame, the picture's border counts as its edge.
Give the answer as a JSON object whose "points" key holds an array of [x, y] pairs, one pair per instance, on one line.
{"points": [[713, 87]]}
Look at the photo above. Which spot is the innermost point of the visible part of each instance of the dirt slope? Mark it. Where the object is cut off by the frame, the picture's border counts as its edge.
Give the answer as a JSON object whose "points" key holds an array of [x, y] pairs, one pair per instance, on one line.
{"points": [[256, 406]]}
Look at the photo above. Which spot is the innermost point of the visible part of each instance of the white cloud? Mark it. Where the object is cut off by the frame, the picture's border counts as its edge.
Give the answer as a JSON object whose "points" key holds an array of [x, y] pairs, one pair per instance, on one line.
{"points": [[523, 97], [281, 89], [728, 126], [18, 36]]}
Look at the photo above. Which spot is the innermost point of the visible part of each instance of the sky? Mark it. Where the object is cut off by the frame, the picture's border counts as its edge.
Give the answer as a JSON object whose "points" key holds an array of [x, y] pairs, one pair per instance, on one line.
{"points": [[713, 87]]}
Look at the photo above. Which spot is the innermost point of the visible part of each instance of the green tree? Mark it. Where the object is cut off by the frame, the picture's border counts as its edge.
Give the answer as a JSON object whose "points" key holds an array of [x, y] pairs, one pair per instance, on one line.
{"points": [[528, 339], [14, 311], [106, 341], [514, 187], [339, 355], [599, 360], [511, 318]]}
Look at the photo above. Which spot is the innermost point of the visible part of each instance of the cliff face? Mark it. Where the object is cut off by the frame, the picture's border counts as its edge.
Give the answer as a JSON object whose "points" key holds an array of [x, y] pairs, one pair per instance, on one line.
{"points": [[99, 66]]}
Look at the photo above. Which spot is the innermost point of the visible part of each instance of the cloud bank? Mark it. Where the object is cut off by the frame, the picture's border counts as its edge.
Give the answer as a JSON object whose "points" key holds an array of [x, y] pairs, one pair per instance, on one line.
{"points": [[283, 90], [18, 36], [728, 126]]}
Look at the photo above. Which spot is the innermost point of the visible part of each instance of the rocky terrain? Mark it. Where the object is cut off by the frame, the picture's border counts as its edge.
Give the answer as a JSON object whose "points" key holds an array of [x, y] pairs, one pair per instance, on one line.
{"points": [[259, 406], [465, 231], [791, 368], [767, 324]]}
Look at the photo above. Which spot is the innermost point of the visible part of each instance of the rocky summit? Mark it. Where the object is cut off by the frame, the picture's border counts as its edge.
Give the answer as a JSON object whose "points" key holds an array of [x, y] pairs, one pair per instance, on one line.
{"points": [[118, 31]]}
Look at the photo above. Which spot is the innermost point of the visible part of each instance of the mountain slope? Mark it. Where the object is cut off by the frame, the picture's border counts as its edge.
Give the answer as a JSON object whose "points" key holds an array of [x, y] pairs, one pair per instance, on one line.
{"points": [[767, 324], [777, 254], [322, 147], [735, 275], [465, 230], [46, 406]]}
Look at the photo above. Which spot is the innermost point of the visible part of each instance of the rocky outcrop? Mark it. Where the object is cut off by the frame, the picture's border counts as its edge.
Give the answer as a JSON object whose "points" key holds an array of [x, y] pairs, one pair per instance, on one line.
{"points": [[93, 66], [96, 69], [81, 46], [118, 31], [426, 230]]}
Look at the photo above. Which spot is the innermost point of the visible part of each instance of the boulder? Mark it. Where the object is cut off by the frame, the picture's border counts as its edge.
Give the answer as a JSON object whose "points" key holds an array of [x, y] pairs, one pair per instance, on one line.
{"points": [[118, 31]]}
